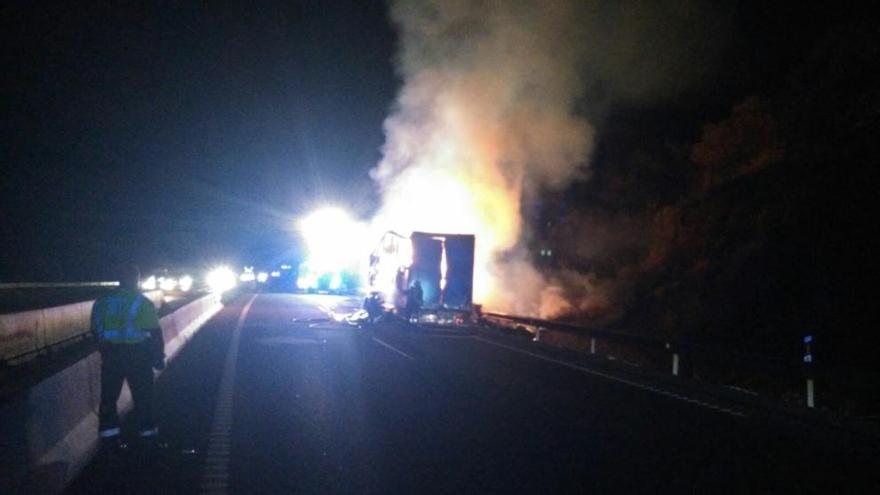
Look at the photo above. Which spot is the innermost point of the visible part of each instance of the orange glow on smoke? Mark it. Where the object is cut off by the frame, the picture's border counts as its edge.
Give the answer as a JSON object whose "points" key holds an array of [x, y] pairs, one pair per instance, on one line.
{"points": [[476, 116], [456, 183]]}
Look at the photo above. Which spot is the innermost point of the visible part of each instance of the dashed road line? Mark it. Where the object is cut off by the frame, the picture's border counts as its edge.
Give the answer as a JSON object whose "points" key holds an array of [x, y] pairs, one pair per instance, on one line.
{"points": [[624, 381], [215, 472], [389, 346]]}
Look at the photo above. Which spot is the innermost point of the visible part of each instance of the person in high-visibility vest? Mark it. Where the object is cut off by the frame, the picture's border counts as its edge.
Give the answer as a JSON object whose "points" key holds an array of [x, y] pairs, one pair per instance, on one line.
{"points": [[126, 325], [414, 300]]}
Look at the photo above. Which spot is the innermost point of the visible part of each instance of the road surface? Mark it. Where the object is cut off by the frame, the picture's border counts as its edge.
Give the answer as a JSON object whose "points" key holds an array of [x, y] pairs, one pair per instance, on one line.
{"points": [[270, 397]]}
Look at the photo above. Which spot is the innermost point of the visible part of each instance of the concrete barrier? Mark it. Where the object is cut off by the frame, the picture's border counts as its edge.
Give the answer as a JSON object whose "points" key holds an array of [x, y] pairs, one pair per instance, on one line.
{"points": [[49, 432], [29, 331], [179, 326]]}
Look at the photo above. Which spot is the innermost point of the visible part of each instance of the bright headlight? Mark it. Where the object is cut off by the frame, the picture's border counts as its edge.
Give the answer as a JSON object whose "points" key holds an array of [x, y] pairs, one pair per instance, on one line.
{"points": [[334, 239], [220, 279], [167, 283]]}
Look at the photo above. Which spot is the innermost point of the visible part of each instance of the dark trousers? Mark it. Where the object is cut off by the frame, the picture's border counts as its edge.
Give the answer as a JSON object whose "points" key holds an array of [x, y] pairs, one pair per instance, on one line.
{"points": [[130, 362]]}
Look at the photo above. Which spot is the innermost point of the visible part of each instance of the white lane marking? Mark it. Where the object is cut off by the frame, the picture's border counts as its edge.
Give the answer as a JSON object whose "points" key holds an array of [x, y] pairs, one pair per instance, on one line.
{"points": [[624, 381], [283, 339], [448, 336], [221, 427], [389, 346]]}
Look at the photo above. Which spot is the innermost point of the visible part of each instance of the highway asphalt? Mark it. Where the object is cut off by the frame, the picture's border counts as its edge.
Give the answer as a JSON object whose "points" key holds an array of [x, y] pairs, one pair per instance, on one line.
{"points": [[274, 397]]}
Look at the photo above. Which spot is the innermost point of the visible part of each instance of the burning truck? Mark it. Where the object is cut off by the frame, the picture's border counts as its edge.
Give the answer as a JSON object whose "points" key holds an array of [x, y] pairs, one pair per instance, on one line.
{"points": [[443, 264]]}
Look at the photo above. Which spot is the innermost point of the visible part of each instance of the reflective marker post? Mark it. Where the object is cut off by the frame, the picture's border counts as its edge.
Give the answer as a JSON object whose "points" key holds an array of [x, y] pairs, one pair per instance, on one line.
{"points": [[674, 359], [808, 362], [674, 364], [538, 333]]}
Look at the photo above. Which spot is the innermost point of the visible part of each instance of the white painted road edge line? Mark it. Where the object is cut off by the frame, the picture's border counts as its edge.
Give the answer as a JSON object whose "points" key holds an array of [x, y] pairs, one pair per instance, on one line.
{"points": [[389, 346], [214, 476], [624, 381]]}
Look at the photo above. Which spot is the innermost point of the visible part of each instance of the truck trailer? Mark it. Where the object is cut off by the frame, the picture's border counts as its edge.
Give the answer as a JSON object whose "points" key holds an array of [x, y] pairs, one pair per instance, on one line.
{"points": [[443, 264]]}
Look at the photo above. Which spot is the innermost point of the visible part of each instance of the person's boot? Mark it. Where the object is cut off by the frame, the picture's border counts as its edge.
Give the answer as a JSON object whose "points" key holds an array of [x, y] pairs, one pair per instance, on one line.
{"points": [[111, 438]]}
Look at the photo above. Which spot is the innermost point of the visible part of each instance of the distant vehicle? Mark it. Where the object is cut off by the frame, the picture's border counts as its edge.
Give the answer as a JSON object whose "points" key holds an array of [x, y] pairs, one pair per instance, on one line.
{"points": [[336, 281], [276, 278], [169, 281], [442, 263]]}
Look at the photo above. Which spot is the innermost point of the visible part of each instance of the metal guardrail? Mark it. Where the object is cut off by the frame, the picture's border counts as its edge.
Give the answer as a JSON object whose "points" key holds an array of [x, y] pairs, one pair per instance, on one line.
{"points": [[576, 329], [676, 354]]}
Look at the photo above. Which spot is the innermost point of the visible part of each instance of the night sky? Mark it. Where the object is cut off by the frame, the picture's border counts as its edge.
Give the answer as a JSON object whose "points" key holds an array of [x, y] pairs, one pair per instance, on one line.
{"points": [[179, 134]]}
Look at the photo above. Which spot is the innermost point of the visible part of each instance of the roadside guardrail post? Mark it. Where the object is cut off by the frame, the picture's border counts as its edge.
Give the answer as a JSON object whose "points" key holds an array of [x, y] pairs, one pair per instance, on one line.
{"points": [[592, 345], [808, 367], [674, 359]]}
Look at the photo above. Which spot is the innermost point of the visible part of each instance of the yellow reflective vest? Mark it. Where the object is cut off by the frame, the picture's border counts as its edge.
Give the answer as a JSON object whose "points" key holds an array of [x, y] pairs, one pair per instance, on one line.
{"points": [[123, 317]]}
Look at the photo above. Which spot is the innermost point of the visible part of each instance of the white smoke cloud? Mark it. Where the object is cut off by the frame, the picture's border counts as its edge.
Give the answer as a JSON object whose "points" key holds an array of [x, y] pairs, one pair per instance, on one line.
{"points": [[487, 109], [492, 106]]}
